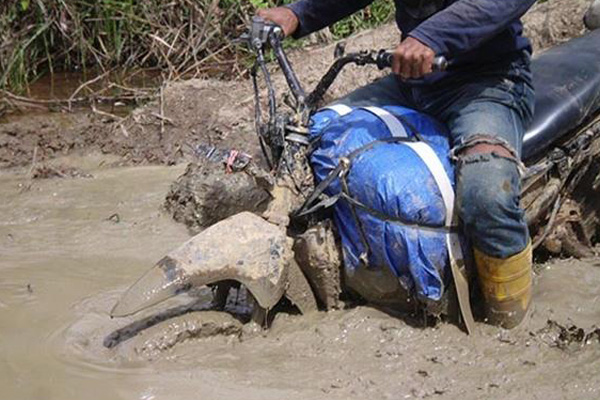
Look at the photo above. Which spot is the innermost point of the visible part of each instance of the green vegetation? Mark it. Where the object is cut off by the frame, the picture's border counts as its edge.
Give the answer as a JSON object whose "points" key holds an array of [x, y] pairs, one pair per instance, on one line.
{"points": [[181, 37], [376, 14]]}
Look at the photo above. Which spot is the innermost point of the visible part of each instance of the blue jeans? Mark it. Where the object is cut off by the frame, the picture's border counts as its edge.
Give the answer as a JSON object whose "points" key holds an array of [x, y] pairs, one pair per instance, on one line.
{"points": [[492, 105]]}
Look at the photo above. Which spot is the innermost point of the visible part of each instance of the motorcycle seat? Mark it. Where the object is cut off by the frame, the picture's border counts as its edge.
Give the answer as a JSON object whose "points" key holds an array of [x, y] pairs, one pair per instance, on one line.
{"points": [[567, 84]]}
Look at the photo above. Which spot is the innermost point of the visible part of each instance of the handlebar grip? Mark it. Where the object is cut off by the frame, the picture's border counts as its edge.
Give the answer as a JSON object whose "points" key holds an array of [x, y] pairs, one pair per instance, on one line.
{"points": [[440, 64], [384, 60]]}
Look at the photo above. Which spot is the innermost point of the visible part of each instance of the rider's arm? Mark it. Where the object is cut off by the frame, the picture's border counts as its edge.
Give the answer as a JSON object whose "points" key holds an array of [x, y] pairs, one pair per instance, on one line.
{"points": [[466, 24], [317, 14]]}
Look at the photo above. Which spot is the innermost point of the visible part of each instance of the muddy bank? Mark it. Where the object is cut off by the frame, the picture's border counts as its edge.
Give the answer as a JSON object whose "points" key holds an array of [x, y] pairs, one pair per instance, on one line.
{"points": [[47, 135], [165, 131], [550, 23], [220, 112]]}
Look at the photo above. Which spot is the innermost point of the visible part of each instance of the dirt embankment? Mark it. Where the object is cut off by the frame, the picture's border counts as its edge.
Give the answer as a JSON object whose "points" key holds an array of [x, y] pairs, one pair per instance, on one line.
{"points": [[221, 112], [164, 132], [553, 22]]}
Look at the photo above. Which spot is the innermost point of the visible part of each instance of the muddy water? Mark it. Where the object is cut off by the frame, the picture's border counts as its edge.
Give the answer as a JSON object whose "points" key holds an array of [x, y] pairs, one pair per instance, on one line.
{"points": [[62, 85], [58, 249], [64, 262]]}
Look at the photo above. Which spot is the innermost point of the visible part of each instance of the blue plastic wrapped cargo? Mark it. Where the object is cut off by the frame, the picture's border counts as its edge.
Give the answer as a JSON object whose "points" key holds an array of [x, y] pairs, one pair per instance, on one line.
{"points": [[393, 215]]}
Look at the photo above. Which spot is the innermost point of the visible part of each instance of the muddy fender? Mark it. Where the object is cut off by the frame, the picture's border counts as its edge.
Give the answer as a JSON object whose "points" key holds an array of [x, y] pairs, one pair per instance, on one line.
{"points": [[244, 248]]}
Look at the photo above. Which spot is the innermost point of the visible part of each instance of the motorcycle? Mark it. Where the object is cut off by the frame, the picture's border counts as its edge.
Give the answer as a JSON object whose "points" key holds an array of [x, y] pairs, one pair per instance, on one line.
{"points": [[269, 254]]}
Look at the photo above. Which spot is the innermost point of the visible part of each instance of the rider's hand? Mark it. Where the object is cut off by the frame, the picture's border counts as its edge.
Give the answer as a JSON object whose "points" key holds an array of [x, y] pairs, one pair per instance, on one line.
{"points": [[282, 16], [412, 59]]}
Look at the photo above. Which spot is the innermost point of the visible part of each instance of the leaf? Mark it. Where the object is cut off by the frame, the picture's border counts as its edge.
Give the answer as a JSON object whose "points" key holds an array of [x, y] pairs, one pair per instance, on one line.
{"points": [[25, 5], [259, 3]]}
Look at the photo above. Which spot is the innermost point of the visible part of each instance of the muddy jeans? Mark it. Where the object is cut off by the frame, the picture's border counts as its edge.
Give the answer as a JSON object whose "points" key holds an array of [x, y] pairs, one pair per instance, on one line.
{"points": [[490, 105]]}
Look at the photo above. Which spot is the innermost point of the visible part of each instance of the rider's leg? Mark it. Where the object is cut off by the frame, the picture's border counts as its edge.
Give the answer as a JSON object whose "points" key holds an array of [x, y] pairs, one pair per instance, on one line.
{"points": [[488, 187], [487, 120]]}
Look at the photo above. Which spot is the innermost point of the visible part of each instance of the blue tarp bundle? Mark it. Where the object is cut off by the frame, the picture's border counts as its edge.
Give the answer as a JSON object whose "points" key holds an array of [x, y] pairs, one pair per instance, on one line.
{"points": [[404, 215]]}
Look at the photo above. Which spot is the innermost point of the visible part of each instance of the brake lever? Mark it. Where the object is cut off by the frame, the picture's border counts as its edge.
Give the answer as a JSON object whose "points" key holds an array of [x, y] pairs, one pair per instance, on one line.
{"points": [[259, 33]]}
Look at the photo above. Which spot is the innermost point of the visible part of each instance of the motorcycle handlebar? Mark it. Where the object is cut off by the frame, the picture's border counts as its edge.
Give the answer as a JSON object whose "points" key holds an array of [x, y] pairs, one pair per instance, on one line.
{"points": [[384, 60]]}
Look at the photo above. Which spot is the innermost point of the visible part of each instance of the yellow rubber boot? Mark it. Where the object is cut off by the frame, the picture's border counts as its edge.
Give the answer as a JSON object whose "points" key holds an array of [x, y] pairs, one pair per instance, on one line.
{"points": [[506, 286]]}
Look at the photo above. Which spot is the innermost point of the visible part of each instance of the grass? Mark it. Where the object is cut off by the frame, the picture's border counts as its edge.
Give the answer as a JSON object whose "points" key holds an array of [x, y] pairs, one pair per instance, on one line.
{"points": [[181, 37]]}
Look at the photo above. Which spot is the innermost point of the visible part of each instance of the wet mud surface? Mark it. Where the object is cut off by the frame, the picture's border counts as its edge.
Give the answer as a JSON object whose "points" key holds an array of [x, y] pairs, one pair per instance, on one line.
{"points": [[66, 262], [70, 247]]}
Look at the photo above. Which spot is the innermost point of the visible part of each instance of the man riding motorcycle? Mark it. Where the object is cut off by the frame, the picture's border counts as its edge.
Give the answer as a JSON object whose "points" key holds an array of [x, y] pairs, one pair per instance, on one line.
{"points": [[485, 98]]}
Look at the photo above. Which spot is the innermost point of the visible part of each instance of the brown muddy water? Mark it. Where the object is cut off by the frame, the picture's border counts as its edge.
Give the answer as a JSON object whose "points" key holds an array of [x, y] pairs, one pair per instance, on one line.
{"points": [[66, 257], [62, 85]]}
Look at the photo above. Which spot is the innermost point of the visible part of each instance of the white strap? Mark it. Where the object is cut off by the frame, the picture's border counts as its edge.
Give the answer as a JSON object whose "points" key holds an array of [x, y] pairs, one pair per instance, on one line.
{"points": [[461, 284], [395, 127], [341, 109], [427, 155], [433, 163], [455, 253]]}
